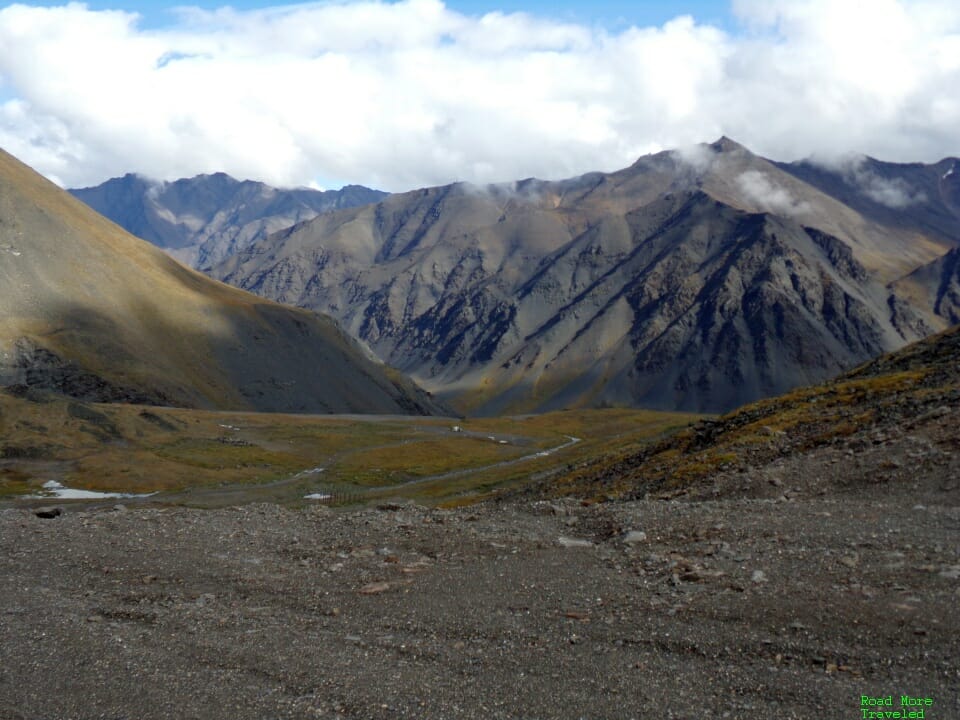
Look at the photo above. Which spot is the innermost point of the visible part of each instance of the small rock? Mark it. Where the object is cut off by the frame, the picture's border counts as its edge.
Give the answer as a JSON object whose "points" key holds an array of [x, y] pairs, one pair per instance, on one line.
{"points": [[569, 542], [634, 537], [48, 513], [758, 576], [850, 561], [951, 572], [545, 507], [374, 588], [721, 548]]}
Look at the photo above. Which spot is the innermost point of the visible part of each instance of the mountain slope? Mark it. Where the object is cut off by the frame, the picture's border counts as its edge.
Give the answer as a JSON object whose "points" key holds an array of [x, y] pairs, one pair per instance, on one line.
{"points": [[913, 197], [90, 311], [202, 220], [693, 280], [935, 287]]}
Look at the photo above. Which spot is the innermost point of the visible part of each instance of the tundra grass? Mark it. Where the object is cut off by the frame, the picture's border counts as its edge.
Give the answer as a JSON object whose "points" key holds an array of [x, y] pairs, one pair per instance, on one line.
{"points": [[126, 448]]}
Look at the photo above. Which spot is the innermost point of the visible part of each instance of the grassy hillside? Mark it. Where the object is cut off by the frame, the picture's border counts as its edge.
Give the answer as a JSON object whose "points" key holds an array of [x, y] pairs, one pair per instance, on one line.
{"points": [[913, 394], [205, 458]]}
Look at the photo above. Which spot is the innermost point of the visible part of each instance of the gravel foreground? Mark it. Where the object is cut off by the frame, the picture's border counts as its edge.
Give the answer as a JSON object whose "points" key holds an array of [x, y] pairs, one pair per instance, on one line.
{"points": [[743, 608]]}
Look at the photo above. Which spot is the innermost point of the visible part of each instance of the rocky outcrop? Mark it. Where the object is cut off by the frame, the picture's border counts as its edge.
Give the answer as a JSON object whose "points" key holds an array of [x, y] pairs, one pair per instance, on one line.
{"points": [[947, 303], [29, 366], [935, 289]]}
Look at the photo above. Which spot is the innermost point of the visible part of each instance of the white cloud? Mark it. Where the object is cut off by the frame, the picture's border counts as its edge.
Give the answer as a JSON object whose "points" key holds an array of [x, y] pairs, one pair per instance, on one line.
{"points": [[894, 193], [411, 93], [699, 157], [768, 196], [856, 169]]}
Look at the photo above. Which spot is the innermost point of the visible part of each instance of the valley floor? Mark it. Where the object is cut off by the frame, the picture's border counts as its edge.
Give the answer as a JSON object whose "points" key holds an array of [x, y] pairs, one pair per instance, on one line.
{"points": [[741, 608]]}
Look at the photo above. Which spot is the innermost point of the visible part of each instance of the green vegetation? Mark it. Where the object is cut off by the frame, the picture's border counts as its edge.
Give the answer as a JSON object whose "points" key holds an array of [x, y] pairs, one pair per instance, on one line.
{"points": [[193, 455], [876, 394], [205, 458]]}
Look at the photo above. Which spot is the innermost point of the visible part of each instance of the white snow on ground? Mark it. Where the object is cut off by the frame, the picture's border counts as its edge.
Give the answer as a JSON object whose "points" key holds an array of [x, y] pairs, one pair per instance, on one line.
{"points": [[53, 489]]}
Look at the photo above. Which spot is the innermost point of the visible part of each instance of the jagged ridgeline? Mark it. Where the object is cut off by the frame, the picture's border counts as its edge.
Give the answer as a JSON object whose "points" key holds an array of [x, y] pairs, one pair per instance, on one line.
{"points": [[204, 219], [695, 280], [89, 311]]}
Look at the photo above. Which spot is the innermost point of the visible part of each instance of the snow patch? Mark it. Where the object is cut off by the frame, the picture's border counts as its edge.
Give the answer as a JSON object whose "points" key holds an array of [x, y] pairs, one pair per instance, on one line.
{"points": [[311, 471], [53, 489]]}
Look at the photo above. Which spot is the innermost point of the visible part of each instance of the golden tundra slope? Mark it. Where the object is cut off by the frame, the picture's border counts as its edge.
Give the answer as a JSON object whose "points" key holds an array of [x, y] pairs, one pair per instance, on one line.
{"points": [[88, 310]]}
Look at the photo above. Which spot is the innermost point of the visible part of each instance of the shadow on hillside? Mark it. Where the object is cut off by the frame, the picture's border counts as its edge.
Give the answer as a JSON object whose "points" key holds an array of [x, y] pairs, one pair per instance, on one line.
{"points": [[240, 355]]}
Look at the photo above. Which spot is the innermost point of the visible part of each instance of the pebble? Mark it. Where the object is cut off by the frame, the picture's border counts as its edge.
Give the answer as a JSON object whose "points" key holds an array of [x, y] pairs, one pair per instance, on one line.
{"points": [[569, 542], [635, 537], [758, 576]]}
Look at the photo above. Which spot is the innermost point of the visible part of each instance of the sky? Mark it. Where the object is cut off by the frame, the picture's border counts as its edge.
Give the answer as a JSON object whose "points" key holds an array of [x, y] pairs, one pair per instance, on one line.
{"points": [[411, 93], [611, 14]]}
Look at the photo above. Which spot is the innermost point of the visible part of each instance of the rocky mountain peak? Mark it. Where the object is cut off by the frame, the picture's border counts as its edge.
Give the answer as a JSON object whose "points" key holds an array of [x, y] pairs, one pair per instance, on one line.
{"points": [[727, 145]]}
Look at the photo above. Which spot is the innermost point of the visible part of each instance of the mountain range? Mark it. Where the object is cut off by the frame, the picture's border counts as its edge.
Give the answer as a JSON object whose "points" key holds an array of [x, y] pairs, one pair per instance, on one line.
{"points": [[203, 219], [91, 312], [698, 279]]}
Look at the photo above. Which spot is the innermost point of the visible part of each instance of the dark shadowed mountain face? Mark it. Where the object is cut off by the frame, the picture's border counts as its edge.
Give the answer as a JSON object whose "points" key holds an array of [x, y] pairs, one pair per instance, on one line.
{"points": [[202, 220], [917, 198], [694, 280], [89, 311], [937, 286]]}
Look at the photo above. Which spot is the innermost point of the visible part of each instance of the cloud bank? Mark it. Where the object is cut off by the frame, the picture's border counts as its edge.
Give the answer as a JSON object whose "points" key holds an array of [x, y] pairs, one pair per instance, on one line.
{"points": [[412, 93]]}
